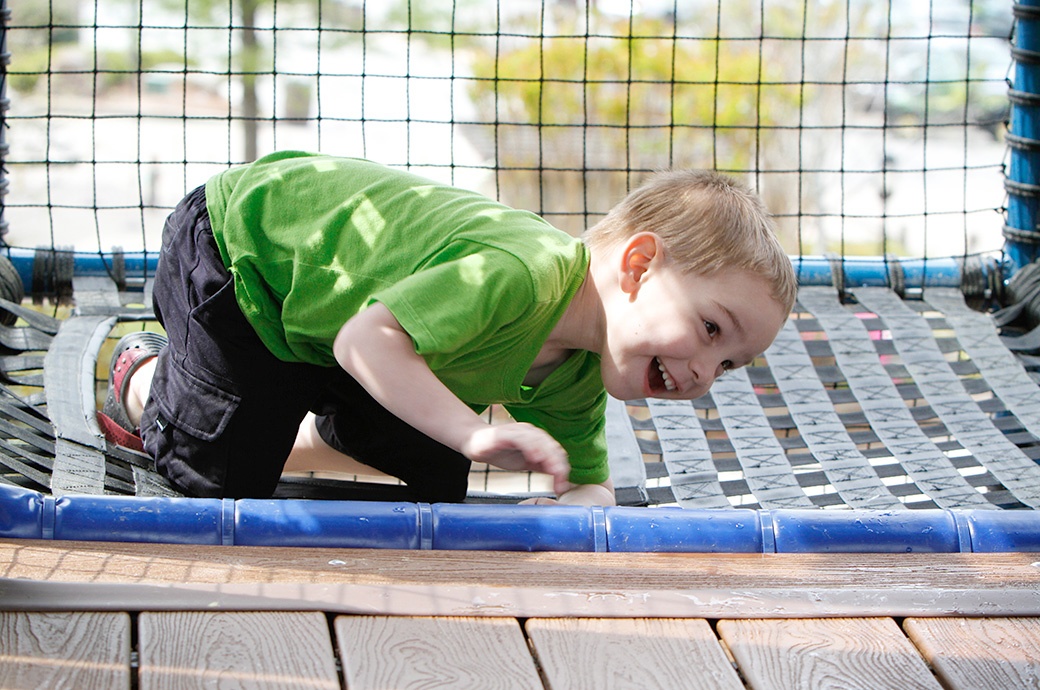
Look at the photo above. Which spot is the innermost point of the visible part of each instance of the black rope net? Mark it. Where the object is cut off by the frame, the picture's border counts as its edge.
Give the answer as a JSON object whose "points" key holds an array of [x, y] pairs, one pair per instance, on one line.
{"points": [[870, 128]]}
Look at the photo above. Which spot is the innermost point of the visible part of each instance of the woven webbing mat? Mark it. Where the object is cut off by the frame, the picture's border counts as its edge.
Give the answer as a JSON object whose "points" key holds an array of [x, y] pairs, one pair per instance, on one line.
{"points": [[877, 403]]}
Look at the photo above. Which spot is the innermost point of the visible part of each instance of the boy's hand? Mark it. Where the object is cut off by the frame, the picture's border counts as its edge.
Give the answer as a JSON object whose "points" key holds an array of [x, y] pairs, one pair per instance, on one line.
{"points": [[579, 495], [519, 446]]}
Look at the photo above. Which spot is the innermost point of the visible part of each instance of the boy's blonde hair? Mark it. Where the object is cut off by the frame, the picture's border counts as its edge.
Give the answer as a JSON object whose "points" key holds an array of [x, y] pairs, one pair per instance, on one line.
{"points": [[708, 222]]}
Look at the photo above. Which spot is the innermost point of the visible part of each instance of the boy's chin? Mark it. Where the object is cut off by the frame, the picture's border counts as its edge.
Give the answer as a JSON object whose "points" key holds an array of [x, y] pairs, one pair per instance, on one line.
{"points": [[625, 391], [616, 390], [627, 387]]}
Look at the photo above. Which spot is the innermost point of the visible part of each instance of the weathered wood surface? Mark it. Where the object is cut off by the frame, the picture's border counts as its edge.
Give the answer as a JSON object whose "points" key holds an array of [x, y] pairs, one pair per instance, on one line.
{"points": [[298, 651], [401, 652], [54, 575], [611, 653], [64, 650], [980, 653], [867, 653], [182, 650]]}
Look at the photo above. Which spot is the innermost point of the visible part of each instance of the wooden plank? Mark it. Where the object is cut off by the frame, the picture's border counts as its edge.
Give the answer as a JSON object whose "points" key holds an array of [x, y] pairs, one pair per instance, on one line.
{"points": [[869, 653], [267, 650], [64, 650], [609, 654], [57, 575], [980, 653], [380, 653]]}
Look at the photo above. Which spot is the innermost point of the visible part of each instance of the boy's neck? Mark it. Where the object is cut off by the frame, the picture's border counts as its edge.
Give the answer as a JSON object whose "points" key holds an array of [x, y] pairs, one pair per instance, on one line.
{"points": [[582, 325], [580, 328]]}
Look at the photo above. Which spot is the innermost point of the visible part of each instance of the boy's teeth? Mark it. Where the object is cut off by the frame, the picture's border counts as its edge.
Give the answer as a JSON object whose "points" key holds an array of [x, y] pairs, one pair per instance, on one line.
{"points": [[668, 383]]}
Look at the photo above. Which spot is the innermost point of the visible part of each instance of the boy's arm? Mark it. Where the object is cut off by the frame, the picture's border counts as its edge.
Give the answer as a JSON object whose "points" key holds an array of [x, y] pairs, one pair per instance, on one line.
{"points": [[374, 349]]}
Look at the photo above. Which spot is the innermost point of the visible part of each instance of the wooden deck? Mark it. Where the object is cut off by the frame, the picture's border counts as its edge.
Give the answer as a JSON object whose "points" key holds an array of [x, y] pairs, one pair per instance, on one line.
{"points": [[103, 615]]}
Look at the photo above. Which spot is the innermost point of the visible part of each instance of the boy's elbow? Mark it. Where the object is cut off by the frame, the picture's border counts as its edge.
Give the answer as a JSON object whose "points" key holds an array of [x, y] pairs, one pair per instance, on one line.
{"points": [[344, 346]]}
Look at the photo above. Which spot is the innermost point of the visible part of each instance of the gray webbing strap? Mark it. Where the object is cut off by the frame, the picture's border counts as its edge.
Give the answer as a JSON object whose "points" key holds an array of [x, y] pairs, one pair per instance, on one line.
{"points": [[23, 339], [148, 287], [767, 470], [37, 321], [945, 393], [77, 469], [925, 463], [826, 437], [627, 469], [148, 483], [79, 463], [1003, 372], [685, 452], [96, 295]]}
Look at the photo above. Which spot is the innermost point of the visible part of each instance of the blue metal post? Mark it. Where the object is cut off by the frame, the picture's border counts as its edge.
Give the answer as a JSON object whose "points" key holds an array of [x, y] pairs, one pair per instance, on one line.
{"points": [[1023, 180]]}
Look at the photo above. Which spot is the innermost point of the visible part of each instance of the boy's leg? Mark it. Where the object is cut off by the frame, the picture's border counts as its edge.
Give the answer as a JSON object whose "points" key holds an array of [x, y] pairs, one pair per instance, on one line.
{"points": [[311, 453], [223, 412], [138, 391], [352, 422]]}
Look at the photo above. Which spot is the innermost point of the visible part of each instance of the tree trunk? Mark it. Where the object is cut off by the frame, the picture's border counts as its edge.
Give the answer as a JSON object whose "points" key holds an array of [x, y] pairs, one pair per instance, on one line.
{"points": [[250, 67]]}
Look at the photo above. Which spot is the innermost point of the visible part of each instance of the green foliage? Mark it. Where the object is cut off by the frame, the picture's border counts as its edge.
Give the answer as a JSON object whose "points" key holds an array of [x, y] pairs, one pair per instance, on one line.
{"points": [[117, 67], [26, 65], [36, 19], [31, 44], [443, 24], [643, 97], [639, 77]]}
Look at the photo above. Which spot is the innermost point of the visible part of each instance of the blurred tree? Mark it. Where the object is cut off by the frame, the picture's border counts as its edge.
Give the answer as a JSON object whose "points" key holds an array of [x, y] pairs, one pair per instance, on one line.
{"points": [[251, 59], [583, 103], [579, 115], [31, 35]]}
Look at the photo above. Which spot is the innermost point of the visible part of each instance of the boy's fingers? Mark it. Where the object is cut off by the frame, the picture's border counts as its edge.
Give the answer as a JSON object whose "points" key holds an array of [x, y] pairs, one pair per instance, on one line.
{"points": [[522, 447], [536, 445], [552, 459]]}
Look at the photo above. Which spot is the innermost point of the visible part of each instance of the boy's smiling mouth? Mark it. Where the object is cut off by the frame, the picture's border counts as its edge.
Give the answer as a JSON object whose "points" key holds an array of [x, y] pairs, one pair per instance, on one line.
{"points": [[659, 378]]}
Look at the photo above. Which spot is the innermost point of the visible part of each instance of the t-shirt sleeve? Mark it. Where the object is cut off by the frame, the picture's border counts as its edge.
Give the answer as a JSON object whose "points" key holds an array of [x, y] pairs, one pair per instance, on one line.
{"points": [[452, 306]]}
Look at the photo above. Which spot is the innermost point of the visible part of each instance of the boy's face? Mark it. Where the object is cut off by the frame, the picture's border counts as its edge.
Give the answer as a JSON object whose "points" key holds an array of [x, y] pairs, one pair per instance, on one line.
{"points": [[672, 334]]}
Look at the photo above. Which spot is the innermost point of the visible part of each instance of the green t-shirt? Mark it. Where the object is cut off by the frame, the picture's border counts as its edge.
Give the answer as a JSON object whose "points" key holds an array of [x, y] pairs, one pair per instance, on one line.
{"points": [[312, 240]]}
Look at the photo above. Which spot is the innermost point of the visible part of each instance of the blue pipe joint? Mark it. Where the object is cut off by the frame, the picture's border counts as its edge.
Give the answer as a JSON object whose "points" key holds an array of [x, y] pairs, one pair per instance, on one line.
{"points": [[684, 531], [517, 528], [867, 531], [999, 531], [340, 524]]}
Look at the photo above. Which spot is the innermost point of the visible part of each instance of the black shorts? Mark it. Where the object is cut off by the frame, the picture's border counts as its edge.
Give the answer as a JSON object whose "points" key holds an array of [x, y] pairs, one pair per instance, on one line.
{"points": [[223, 411]]}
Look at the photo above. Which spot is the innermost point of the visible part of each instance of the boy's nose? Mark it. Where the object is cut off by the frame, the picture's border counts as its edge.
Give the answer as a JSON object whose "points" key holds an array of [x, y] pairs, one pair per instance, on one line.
{"points": [[705, 373]]}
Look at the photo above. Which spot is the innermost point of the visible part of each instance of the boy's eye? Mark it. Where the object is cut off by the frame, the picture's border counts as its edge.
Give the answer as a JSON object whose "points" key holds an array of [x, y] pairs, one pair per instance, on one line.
{"points": [[711, 327], [727, 365]]}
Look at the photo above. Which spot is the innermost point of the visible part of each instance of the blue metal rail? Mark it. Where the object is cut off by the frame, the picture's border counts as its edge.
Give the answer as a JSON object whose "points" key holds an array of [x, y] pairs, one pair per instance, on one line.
{"points": [[28, 514], [853, 271]]}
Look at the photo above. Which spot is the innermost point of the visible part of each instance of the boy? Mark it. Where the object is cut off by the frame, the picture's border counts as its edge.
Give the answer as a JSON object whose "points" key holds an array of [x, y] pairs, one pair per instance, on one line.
{"points": [[319, 308]]}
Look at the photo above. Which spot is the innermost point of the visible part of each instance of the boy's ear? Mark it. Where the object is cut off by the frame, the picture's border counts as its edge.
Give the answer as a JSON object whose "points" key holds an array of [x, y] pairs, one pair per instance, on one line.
{"points": [[641, 252]]}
